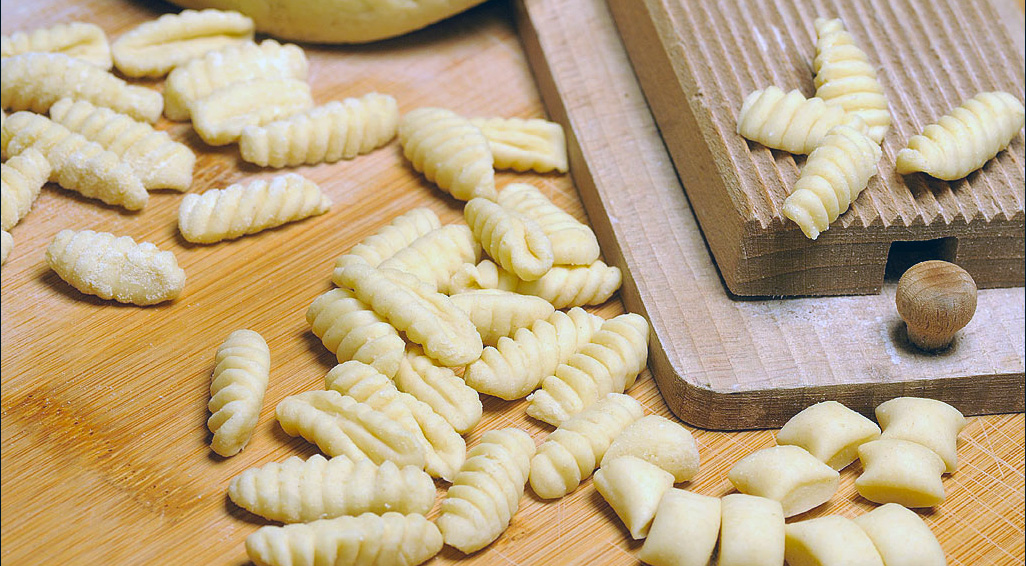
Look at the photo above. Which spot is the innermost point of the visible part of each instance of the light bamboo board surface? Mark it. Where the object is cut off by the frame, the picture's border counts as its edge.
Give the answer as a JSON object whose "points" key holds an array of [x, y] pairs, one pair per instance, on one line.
{"points": [[104, 448]]}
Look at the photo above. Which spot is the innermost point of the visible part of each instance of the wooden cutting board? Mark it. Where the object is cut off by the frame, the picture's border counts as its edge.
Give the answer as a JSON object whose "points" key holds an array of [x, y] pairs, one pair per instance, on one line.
{"points": [[102, 437]]}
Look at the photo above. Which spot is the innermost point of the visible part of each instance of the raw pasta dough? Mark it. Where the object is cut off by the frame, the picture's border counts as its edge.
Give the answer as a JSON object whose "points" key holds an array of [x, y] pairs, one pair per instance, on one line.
{"points": [[829, 431], [573, 243], [513, 240], [220, 117], [751, 531], [435, 256], [441, 389], [74, 39], [659, 441], [684, 530], [353, 331], [929, 422], [844, 76], [900, 471], [563, 286], [829, 540], [901, 537], [402, 231], [524, 145], [497, 314], [790, 122], [6, 246], [237, 388], [788, 474], [22, 176], [449, 151], [633, 488]]}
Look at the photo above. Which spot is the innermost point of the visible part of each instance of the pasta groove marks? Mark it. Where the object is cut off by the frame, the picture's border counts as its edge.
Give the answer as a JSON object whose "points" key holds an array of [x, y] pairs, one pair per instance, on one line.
{"points": [[80, 40], [525, 145], [237, 387], [789, 121], [436, 256], [353, 331], [238, 210], [441, 389], [389, 239], [573, 242], [965, 139], [449, 151], [513, 240], [220, 117], [23, 175]]}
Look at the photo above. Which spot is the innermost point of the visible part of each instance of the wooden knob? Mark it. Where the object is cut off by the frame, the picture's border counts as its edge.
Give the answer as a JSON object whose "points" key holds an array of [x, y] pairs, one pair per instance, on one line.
{"points": [[935, 299]]}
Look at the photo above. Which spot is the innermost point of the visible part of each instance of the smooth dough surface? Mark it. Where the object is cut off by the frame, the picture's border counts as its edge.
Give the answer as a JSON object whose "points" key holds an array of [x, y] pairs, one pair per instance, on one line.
{"points": [[788, 474], [929, 422], [659, 441], [633, 488], [684, 530], [901, 537], [751, 531], [829, 541], [829, 431], [900, 471]]}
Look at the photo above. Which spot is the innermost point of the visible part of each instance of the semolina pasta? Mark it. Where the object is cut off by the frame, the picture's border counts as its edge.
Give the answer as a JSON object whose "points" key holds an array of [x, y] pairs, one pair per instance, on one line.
{"points": [[751, 531], [829, 431], [524, 145], [791, 122], [633, 488], [788, 474], [562, 286], [389, 239], [659, 441], [829, 540], [929, 422], [441, 389], [436, 256], [684, 530], [901, 537], [74, 39], [902, 472], [237, 389], [449, 151], [573, 243], [220, 117], [22, 176], [353, 331], [6, 246], [498, 314], [513, 240]]}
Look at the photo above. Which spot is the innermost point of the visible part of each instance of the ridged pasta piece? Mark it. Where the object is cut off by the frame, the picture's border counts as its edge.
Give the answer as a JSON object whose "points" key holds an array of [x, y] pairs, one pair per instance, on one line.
{"points": [[353, 331], [6, 246], [300, 491], [237, 389], [34, 81], [220, 117], [74, 39], [441, 389], [391, 539], [833, 176], [325, 134], [513, 240], [484, 275], [844, 76], [76, 163], [240, 210], [609, 363], [573, 243], [341, 426], [434, 257], [965, 139], [389, 239], [498, 314], [22, 177], [516, 366], [111, 267], [428, 317], [572, 452], [445, 449], [158, 161], [562, 286], [791, 122], [449, 151], [155, 47], [232, 64], [486, 493], [523, 145]]}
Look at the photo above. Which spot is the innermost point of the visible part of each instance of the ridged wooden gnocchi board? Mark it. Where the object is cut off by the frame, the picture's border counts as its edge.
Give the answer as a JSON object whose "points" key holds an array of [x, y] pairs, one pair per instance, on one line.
{"points": [[696, 62], [104, 447]]}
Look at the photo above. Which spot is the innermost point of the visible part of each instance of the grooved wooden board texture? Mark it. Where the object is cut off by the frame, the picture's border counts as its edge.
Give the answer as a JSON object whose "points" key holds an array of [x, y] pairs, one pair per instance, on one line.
{"points": [[698, 60], [104, 449]]}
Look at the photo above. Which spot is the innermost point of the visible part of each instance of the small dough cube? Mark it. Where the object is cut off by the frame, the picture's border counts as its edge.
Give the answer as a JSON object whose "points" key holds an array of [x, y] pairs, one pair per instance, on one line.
{"points": [[901, 537], [829, 431], [633, 488], [829, 541], [788, 474], [659, 441], [929, 422], [684, 530], [751, 531], [899, 471]]}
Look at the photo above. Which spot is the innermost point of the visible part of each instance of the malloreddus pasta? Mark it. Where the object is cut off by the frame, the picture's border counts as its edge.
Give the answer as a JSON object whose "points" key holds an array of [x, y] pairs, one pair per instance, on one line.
{"points": [[80, 40], [237, 387], [21, 178], [522, 145], [450, 152]]}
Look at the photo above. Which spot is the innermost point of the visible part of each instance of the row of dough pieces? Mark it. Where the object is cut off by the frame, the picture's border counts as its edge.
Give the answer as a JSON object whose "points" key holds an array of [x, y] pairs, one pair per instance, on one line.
{"points": [[842, 126]]}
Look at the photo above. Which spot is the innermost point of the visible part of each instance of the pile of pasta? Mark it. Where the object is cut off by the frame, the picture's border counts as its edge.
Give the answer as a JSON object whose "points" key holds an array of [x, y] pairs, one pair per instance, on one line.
{"points": [[841, 129]]}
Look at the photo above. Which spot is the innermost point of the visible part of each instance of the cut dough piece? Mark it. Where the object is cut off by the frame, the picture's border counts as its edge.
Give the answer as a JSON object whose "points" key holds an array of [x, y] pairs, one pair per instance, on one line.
{"points": [[929, 422], [435, 256], [563, 286], [514, 241], [237, 388], [497, 314], [788, 474], [829, 541], [684, 530], [21, 178], [901, 537], [751, 531], [829, 431], [573, 243], [900, 471], [659, 441], [449, 151], [633, 488], [790, 122]]}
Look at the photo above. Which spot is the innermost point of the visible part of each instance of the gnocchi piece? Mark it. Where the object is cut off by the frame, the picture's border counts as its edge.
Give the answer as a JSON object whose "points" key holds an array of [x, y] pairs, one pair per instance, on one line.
{"points": [[844, 76], [76, 163], [900, 471], [829, 431], [516, 366], [21, 178], [788, 474], [524, 145], [325, 134], [341, 426], [427, 317], [486, 492], [220, 117], [965, 139], [241, 210], [445, 450], [155, 47], [102, 264], [353, 331], [440, 389], [833, 177], [74, 39], [573, 243], [633, 488], [751, 531], [829, 540], [659, 441], [498, 314], [572, 452], [435, 256], [609, 363], [901, 537], [513, 240], [237, 389], [34, 81], [158, 161], [484, 275], [929, 422], [232, 64], [562, 286], [390, 539], [402, 231], [449, 151], [684, 530], [6, 246], [791, 122], [300, 491]]}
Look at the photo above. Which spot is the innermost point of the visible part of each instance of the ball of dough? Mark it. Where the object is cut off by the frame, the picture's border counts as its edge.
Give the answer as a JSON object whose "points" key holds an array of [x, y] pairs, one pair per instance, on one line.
{"points": [[338, 21]]}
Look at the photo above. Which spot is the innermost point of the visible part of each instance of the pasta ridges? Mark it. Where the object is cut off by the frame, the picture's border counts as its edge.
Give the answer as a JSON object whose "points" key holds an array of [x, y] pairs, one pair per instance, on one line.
{"points": [[353, 331], [845, 76], [449, 151], [74, 39], [237, 390], [22, 175]]}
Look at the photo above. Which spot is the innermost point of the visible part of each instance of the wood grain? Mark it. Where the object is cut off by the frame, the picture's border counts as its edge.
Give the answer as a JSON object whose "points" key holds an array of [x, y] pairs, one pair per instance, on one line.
{"points": [[102, 437]]}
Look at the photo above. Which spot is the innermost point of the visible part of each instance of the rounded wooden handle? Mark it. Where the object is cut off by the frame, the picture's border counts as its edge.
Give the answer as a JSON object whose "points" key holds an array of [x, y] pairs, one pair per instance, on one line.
{"points": [[935, 299]]}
